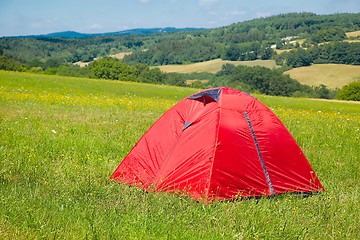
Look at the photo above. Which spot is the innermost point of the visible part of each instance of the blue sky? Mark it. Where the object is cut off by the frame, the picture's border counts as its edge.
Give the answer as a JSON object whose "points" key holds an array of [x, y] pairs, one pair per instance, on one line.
{"points": [[26, 17]]}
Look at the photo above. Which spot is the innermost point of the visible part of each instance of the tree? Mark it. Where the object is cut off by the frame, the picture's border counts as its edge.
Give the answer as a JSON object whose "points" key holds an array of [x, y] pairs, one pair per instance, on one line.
{"points": [[266, 53], [231, 53], [328, 34], [153, 75], [53, 63], [298, 58], [227, 70], [112, 68], [11, 64], [350, 92], [174, 79], [323, 92]]}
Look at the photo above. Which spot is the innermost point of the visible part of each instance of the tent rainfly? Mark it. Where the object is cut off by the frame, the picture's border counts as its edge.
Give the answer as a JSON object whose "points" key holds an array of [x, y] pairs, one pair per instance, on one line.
{"points": [[218, 144]]}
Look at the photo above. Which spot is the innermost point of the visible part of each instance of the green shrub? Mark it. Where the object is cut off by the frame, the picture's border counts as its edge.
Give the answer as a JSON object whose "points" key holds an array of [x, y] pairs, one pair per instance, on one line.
{"points": [[350, 92]]}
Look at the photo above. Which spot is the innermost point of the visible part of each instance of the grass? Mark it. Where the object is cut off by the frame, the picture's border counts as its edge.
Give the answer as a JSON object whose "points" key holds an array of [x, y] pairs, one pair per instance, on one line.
{"points": [[213, 66], [332, 75], [61, 138]]}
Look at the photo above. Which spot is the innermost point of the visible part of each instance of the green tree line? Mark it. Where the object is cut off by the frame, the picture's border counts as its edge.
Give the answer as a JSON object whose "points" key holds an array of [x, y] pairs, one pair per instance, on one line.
{"points": [[248, 40], [243, 40], [336, 52], [249, 79]]}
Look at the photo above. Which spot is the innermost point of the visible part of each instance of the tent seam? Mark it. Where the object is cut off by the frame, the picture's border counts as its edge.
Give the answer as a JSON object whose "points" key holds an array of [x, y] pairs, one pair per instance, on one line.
{"points": [[268, 180], [215, 145]]}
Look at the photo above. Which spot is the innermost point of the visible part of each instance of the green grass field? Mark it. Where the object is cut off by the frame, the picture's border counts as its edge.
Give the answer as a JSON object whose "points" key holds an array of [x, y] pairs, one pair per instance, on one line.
{"points": [[61, 138]]}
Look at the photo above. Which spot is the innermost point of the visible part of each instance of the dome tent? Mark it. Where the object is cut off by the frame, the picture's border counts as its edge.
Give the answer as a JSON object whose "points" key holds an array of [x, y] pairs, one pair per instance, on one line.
{"points": [[218, 144]]}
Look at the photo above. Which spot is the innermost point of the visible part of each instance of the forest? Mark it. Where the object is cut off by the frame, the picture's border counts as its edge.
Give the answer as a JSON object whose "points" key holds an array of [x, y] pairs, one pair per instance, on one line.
{"points": [[304, 38], [240, 41]]}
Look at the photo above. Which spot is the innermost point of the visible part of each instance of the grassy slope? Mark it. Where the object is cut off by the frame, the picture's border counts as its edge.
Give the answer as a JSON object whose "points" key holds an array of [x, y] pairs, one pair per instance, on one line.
{"points": [[214, 66], [61, 138], [331, 75], [353, 34]]}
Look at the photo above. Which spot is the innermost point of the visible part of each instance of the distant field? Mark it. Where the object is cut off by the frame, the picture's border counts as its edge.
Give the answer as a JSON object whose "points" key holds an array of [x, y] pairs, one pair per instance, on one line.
{"points": [[213, 66], [331, 75], [120, 55], [353, 34], [82, 64]]}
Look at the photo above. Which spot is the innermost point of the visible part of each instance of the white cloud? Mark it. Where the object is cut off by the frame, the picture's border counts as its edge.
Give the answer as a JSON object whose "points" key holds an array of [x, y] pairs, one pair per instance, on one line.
{"points": [[44, 23], [206, 2], [94, 26], [212, 13], [213, 23], [263, 14], [237, 13], [144, 1], [123, 27]]}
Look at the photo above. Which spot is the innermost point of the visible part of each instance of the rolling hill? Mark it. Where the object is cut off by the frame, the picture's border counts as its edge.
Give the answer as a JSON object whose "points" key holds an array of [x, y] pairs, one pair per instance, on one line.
{"points": [[137, 31], [214, 66]]}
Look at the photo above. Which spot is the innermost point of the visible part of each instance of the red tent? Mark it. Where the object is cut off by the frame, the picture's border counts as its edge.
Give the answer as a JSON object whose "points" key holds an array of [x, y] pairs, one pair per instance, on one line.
{"points": [[218, 144]]}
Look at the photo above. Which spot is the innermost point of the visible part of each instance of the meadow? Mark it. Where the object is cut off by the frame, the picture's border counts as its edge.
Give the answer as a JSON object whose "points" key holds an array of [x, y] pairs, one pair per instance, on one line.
{"points": [[214, 66], [61, 138], [332, 75], [353, 34]]}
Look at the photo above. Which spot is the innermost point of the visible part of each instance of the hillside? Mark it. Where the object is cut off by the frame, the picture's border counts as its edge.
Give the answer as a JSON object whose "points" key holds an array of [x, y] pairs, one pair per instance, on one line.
{"points": [[137, 31], [299, 36], [248, 40], [331, 75], [214, 66]]}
